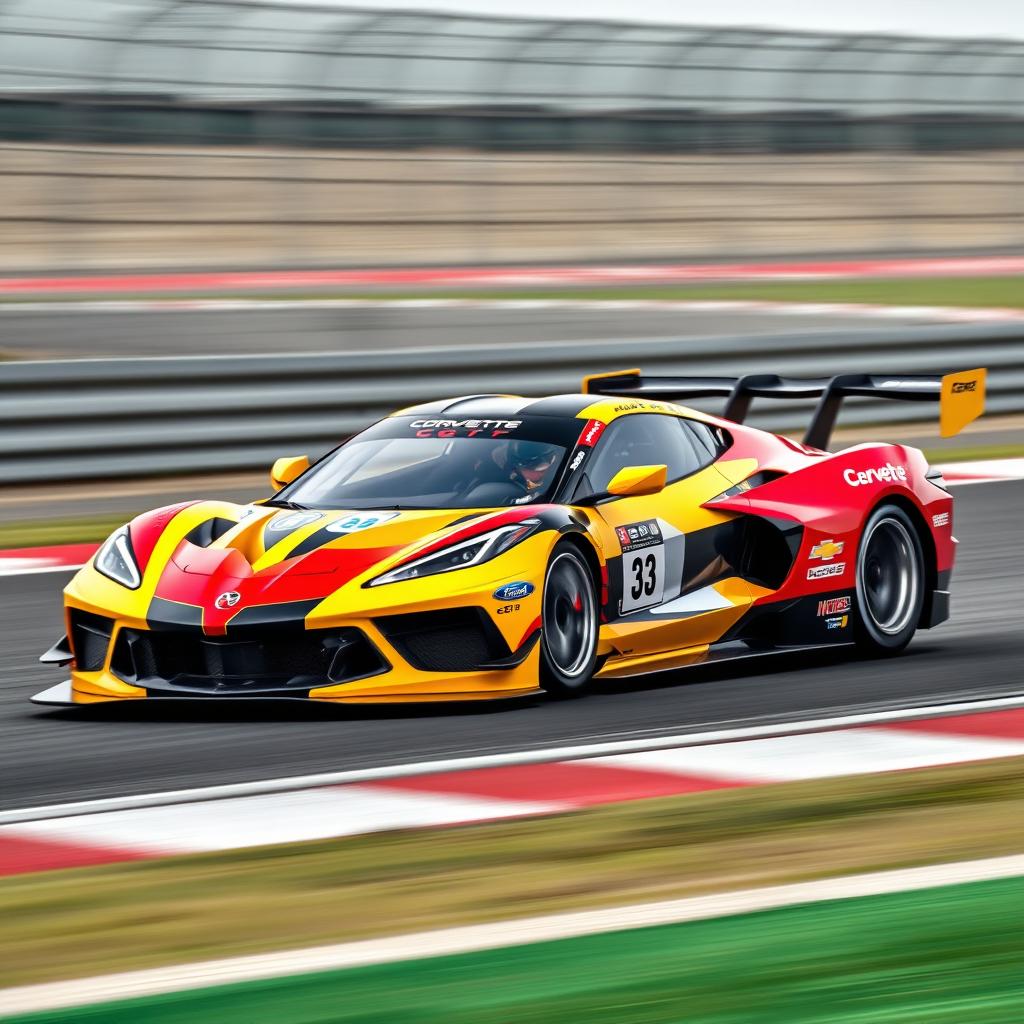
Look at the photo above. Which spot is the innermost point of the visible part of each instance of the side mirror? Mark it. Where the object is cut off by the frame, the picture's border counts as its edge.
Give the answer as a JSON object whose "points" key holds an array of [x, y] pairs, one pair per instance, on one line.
{"points": [[636, 480], [286, 469]]}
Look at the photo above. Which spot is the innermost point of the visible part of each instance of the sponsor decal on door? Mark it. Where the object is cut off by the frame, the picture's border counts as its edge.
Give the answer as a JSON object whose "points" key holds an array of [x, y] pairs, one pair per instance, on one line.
{"points": [[819, 572], [643, 565]]}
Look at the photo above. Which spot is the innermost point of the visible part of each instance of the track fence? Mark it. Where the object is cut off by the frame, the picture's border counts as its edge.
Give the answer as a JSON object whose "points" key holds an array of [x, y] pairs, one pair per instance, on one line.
{"points": [[107, 418]]}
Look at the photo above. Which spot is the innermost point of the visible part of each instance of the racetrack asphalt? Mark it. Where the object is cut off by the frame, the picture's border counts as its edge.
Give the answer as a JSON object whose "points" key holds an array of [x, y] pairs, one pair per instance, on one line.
{"points": [[76, 333], [54, 756]]}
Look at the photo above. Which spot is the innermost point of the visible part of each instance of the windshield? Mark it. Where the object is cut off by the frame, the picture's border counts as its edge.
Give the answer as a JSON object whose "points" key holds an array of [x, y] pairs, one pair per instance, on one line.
{"points": [[420, 468]]}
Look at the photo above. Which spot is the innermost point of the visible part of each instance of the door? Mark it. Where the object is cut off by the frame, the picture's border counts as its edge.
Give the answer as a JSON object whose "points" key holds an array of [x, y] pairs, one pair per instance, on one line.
{"points": [[671, 581]]}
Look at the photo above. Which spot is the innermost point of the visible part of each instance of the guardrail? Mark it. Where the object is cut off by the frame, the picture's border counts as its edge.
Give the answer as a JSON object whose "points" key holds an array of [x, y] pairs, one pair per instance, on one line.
{"points": [[106, 418]]}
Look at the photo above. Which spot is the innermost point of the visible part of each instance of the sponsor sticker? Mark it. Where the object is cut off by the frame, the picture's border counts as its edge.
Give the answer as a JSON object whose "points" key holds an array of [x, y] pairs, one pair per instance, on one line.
{"points": [[640, 405], [820, 572], [887, 474], [514, 591], [837, 623], [634, 536], [359, 521], [228, 599], [464, 428], [942, 519], [591, 433], [827, 550], [293, 521], [833, 606], [577, 460]]}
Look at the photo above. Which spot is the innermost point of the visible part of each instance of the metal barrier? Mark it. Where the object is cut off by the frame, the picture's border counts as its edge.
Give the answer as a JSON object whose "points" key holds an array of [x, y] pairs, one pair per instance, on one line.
{"points": [[105, 418]]}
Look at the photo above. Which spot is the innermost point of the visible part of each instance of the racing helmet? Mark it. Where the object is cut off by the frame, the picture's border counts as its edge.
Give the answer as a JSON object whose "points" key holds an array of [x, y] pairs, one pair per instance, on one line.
{"points": [[531, 460]]}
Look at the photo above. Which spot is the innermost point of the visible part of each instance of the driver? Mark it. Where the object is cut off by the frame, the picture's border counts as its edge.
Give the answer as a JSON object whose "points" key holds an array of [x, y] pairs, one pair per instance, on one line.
{"points": [[531, 463]]}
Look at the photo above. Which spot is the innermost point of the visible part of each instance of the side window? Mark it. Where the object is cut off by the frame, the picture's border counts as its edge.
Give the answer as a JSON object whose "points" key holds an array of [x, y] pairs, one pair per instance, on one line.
{"points": [[649, 439], [711, 440]]}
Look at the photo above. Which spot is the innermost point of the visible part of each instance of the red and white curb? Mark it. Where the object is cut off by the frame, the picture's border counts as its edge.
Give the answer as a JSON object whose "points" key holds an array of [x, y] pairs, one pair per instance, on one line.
{"points": [[61, 558], [866, 311], [415, 798], [258, 280], [986, 471]]}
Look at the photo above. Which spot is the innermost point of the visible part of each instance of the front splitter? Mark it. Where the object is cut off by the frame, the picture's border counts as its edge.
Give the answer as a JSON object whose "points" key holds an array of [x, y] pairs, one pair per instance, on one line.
{"points": [[56, 696]]}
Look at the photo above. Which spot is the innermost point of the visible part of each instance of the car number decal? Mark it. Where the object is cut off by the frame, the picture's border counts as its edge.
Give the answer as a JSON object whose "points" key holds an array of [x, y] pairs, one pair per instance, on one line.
{"points": [[355, 523], [643, 565]]}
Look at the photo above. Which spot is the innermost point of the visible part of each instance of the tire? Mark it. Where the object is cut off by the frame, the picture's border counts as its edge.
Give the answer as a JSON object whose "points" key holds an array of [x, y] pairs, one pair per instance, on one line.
{"points": [[569, 625], [890, 582]]}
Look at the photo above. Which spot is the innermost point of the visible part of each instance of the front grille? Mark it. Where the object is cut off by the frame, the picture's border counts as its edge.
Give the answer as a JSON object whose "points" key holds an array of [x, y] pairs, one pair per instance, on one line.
{"points": [[283, 661], [452, 640], [90, 638]]}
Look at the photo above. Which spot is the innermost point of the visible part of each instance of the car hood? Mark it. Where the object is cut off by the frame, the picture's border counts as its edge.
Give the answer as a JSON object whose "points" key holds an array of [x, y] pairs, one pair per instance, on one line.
{"points": [[215, 562]]}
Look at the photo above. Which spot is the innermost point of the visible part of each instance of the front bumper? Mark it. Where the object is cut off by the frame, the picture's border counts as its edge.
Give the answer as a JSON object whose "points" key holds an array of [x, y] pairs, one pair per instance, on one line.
{"points": [[450, 653]]}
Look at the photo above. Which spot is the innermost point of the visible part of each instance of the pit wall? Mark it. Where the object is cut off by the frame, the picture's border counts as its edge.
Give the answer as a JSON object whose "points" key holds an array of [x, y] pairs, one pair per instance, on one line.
{"points": [[94, 207]]}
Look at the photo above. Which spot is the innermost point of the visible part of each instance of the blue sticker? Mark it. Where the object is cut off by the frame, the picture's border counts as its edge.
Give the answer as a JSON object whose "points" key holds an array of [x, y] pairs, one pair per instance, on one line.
{"points": [[514, 591]]}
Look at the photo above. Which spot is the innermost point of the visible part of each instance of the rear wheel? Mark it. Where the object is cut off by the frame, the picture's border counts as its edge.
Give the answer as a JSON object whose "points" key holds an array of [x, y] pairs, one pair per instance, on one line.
{"points": [[890, 581], [568, 624]]}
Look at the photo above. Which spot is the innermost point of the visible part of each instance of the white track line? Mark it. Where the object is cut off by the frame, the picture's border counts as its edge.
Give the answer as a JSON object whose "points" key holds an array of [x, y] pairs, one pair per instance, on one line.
{"points": [[4, 571], [951, 314], [541, 756], [472, 938]]}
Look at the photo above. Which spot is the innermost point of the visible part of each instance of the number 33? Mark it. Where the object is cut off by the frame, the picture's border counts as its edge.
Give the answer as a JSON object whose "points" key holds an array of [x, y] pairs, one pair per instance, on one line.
{"points": [[646, 579]]}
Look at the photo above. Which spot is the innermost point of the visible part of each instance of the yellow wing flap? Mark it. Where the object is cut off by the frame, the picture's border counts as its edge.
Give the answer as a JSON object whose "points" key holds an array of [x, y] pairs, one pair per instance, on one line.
{"points": [[962, 400]]}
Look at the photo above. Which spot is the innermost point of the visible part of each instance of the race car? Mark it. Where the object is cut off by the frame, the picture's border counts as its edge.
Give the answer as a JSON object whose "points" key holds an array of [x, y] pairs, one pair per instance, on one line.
{"points": [[495, 546]]}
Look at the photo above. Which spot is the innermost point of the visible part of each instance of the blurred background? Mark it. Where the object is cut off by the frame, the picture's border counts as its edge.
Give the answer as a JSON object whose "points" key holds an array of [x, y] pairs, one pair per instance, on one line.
{"points": [[147, 133], [237, 230], [402, 181]]}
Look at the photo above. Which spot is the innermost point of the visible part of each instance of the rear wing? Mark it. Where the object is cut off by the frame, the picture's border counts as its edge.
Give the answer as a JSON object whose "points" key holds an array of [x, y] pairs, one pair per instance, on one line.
{"points": [[961, 396]]}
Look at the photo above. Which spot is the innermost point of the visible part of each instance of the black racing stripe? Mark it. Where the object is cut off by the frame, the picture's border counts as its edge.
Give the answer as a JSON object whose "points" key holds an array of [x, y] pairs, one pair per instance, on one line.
{"points": [[312, 542], [448, 405], [487, 407], [288, 614], [426, 408], [163, 614], [466, 519], [560, 405]]}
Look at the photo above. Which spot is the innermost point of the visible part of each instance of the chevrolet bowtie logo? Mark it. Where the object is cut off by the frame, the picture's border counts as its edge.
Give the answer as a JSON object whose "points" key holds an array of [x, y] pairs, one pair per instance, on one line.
{"points": [[827, 550]]}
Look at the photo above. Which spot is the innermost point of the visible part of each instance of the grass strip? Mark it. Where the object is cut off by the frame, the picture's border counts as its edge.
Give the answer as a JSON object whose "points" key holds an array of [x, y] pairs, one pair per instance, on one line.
{"points": [[987, 292], [37, 533], [88, 921], [972, 453], [949, 954], [982, 292]]}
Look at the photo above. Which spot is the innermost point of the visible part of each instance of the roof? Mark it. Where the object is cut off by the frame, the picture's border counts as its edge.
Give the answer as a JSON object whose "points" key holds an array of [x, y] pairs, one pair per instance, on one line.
{"points": [[481, 407]]}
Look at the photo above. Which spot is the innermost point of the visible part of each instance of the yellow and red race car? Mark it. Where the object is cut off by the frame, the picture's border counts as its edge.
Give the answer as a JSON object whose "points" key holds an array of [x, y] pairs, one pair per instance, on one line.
{"points": [[493, 546]]}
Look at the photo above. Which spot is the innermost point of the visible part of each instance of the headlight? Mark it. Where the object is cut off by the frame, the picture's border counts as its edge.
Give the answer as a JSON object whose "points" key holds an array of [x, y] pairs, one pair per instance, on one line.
{"points": [[459, 556], [116, 560]]}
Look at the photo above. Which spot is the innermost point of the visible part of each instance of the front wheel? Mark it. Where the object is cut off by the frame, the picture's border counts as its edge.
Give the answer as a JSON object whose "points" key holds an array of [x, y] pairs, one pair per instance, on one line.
{"points": [[568, 624], [890, 581]]}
